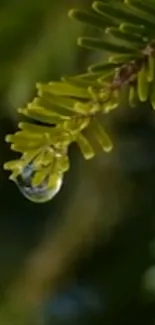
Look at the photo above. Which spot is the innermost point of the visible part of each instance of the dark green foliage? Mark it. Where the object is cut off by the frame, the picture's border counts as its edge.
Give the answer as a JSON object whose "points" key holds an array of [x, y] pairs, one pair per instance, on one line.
{"points": [[76, 103]]}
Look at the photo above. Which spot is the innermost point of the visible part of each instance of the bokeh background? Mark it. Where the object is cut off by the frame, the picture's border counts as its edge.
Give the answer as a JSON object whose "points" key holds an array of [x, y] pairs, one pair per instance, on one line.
{"points": [[88, 255]]}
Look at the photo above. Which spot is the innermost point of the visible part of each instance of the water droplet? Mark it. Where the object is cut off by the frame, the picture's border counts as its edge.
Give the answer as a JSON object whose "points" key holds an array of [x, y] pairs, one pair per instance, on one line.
{"points": [[37, 194]]}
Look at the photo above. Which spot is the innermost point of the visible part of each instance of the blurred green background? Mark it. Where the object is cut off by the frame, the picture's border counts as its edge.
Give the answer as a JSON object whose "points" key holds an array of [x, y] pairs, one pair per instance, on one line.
{"points": [[87, 256]]}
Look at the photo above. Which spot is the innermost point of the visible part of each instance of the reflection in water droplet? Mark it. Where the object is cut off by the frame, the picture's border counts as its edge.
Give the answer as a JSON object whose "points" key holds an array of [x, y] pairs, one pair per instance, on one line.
{"points": [[37, 194]]}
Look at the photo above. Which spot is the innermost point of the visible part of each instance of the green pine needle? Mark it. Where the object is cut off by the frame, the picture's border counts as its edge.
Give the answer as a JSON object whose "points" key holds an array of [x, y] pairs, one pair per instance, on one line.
{"points": [[72, 108]]}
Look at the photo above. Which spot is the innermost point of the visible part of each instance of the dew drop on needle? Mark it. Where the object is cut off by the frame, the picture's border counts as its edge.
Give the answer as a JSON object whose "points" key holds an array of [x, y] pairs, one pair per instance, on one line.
{"points": [[37, 194]]}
